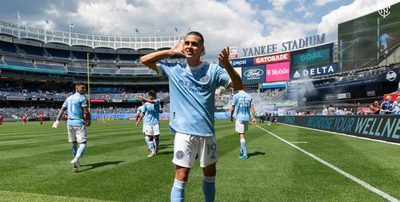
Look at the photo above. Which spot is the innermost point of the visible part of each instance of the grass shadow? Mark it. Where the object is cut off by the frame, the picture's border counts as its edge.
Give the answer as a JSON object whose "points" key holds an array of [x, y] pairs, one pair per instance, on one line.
{"points": [[165, 146], [256, 153], [165, 153], [100, 164]]}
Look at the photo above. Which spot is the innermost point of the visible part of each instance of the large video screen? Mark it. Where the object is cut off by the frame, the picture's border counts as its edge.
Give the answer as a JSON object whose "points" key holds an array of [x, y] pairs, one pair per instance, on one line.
{"points": [[319, 55], [373, 39]]}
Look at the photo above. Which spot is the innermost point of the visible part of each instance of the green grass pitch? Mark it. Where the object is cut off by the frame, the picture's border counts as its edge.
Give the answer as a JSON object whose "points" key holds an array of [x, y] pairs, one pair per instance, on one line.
{"points": [[34, 165]]}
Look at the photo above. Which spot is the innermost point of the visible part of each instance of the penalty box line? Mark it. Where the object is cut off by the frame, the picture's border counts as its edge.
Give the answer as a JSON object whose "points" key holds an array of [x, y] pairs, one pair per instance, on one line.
{"points": [[340, 171]]}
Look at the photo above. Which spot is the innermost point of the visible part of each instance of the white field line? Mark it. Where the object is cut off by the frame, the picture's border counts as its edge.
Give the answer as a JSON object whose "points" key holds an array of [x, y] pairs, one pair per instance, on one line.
{"points": [[12, 141], [342, 172], [299, 142]]}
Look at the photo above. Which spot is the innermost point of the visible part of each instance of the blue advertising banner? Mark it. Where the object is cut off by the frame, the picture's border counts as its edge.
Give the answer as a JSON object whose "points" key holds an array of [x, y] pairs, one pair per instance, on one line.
{"points": [[244, 62], [309, 72], [253, 75], [381, 127], [391, 75]]}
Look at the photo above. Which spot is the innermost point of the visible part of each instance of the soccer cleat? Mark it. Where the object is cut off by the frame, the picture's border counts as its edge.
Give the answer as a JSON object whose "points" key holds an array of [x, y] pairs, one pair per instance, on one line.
{"points": [[151, 154], [75, 165], [244, 156]]}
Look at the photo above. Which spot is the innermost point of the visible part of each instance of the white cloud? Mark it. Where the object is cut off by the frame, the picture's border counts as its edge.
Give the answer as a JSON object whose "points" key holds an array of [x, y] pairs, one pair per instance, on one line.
{"points": [[279, 5], [323, 2], [301, 8], [231, 23], [329, 22], [282, 29], [308, 14]]}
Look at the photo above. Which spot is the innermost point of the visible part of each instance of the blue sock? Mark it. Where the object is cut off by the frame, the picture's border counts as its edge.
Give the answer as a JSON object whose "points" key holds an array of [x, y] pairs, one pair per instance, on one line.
{"points": [[209, 188], [243, 146], [74, 148], [178, 191], [80, 151]]}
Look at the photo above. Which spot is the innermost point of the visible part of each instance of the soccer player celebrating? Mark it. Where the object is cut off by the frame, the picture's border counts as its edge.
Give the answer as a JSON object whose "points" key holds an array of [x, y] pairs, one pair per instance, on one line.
{"points": [[78, 118], [151, 122], [243, 110], [192, 95]]}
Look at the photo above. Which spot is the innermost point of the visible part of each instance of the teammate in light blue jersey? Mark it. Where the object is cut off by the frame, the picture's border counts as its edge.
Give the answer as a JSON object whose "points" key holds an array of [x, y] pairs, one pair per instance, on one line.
{"points": [[243, 111], [151, 122], [192, 94], [139, 112], [76, 106]]}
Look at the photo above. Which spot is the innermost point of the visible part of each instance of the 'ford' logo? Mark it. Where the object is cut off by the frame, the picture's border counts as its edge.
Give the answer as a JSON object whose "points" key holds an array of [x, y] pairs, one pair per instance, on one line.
{"points": [[251, 73], [391, 75]]}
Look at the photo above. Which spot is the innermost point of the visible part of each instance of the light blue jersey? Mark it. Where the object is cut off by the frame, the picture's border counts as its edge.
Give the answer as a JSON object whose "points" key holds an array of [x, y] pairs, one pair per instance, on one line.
{"points": [[152, 113], [192, 96], [140, 109], [242, 102], [73, 104], [384, 38]]}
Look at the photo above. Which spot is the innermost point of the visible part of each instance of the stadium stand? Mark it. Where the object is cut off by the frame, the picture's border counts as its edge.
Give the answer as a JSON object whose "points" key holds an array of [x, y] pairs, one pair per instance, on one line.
{"points": [[58, 53], [7, 47], [31, 50]]}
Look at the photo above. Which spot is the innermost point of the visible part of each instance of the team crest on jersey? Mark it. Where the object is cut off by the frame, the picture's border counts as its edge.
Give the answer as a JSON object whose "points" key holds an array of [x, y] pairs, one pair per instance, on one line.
{"points": [[179, 154]]}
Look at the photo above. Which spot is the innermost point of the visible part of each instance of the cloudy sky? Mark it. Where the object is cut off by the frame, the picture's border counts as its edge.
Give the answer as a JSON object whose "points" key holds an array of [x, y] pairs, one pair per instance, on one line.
{"points": [[240, 23]]}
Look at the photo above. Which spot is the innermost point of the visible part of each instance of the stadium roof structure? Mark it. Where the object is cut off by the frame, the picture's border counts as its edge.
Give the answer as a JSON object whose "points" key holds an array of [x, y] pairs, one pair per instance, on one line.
{"points": [[89, 40]]}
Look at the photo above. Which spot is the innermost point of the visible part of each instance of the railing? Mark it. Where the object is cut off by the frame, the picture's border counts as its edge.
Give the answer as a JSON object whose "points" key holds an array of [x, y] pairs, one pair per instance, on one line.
{"points": [[89, 40]]}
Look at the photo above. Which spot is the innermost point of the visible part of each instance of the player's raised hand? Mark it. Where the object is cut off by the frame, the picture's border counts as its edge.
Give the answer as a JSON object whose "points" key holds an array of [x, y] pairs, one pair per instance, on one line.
{"points": [[178, 48], [55, 124], [224, 57]]}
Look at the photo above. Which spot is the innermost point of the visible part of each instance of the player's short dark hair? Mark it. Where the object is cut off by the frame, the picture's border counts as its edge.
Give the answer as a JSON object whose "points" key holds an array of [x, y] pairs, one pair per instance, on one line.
{"points": [[152, 93], [79, 84], [196, 33]]}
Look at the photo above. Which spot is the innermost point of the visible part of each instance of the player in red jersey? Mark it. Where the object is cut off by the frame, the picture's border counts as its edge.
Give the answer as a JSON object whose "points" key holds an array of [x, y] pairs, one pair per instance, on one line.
{"points": [[41, 118], [1, 119], [24, 118]]}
